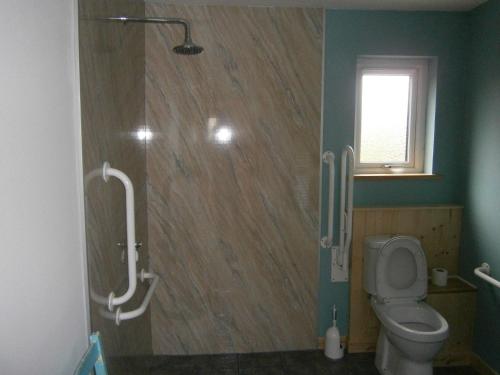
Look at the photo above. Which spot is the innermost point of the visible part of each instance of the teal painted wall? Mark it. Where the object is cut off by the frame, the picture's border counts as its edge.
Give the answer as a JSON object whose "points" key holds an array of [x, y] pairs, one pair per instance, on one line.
{"points": [[481, 237], [352, 33]]}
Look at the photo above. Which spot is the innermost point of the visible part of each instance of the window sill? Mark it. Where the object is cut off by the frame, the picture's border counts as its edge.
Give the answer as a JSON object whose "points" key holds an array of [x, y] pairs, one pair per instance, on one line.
{"points": [[398, 176]]}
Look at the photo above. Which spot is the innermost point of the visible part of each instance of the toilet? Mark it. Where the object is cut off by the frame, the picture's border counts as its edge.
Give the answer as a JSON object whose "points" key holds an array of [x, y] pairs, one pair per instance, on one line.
{"points": [[412, 332]]}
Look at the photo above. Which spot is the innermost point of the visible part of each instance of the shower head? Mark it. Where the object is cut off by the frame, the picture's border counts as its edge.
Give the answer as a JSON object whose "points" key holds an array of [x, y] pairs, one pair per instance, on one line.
{"points": [[186, 48]]}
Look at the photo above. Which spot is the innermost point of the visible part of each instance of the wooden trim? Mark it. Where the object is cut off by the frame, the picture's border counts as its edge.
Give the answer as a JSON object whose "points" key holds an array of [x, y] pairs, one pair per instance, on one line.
{"points": [[368, 347], [480, 366], [398, 176], [455, 285], [399, 208]]}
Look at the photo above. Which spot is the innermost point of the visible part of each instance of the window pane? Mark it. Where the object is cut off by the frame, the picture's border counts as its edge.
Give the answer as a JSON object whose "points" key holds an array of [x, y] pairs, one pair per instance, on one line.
{"points": [[384, 118]]}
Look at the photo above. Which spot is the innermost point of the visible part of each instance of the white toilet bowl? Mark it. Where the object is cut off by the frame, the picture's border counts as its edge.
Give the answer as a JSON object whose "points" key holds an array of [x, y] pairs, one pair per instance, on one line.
{"points": [[412, 332], [411, 335]]}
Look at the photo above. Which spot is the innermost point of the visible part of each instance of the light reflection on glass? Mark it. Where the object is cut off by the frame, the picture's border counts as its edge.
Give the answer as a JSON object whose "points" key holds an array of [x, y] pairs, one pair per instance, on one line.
{"points": [[212, 123], [220, 134], [144, 134], [223, 135]]}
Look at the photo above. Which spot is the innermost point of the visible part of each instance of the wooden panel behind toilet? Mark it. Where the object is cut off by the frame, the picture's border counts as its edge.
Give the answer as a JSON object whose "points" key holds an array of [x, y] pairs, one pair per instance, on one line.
{"points": [[437, 227]]}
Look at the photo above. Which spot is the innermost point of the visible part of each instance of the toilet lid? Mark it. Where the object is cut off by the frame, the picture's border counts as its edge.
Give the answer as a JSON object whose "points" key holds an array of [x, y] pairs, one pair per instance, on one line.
{"points": [[401, 270]]}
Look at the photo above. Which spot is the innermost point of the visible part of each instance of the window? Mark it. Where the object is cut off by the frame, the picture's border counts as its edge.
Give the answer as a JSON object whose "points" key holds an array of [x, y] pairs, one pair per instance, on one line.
{"points": [[390, 114]]}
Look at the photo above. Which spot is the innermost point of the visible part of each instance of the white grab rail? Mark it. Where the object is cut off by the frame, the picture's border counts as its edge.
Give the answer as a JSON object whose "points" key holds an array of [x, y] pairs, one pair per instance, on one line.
{"points": [[483, 272], [131, 252], [329, 158], [120, 315], [101, 300], [126, 315], [346, 205]]}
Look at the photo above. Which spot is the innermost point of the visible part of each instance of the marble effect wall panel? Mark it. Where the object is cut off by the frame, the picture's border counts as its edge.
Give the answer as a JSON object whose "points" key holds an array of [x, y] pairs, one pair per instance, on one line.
{"points": [[112, 64], [233, 178]]}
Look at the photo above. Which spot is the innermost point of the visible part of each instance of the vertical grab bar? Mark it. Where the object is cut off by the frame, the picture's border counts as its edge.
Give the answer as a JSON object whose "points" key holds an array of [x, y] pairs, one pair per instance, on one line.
{"points": [[329, 158], [346, 199], [131, 252]]}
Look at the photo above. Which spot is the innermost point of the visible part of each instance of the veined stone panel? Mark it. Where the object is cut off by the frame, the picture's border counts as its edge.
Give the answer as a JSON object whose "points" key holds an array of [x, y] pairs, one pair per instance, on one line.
{"points": [[233, 178]]}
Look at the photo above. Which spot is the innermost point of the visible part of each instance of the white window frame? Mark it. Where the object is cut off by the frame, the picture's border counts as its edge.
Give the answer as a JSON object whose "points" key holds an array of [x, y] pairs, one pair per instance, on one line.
{"points": [[417, 68]]}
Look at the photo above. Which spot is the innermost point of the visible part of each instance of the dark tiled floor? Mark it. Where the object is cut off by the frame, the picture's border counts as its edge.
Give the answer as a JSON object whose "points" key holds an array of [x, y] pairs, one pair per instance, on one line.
{"points": [[311, 362]]}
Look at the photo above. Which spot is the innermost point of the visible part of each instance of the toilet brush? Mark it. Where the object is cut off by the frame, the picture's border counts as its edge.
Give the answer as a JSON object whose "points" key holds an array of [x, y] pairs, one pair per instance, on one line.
{"points": [[333, 347]]}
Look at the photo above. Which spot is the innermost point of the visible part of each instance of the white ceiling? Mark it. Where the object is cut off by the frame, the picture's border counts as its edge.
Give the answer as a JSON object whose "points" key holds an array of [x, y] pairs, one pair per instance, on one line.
{"points": [[435, 5]]}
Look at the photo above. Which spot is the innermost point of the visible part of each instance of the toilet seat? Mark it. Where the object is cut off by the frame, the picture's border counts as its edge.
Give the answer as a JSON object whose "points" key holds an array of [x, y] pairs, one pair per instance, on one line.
{"points": [[401, 271], [414, 321]]}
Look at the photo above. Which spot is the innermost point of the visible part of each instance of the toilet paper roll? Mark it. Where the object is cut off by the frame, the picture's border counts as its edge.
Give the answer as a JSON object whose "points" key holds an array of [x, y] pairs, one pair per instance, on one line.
{"points": [[439, 276]]}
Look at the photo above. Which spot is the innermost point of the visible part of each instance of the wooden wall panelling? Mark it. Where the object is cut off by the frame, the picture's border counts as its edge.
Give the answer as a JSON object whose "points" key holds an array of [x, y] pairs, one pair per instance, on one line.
{"points": [[459, 310], [437, 227]]}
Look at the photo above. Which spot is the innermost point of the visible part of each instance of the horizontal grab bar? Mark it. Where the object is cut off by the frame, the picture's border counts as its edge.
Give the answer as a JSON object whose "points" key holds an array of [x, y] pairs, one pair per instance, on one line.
{"points": [[483, 272], [107, 171]]}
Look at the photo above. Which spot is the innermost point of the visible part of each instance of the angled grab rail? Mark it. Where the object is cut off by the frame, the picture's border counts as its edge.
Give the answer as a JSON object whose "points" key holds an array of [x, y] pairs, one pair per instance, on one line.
{"points": [[126, 315], [346, 204], [329, 158], [483, 272], [120, 315], [107, 171]]}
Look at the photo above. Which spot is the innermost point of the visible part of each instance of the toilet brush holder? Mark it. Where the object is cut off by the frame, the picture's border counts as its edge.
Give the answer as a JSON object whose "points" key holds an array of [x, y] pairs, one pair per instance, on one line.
{"points": [[333, 346]]}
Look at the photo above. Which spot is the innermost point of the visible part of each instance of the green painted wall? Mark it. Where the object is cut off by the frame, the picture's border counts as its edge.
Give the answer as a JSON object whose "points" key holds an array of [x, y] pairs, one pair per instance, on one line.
{"points": [[352, 33], [481, 237]]}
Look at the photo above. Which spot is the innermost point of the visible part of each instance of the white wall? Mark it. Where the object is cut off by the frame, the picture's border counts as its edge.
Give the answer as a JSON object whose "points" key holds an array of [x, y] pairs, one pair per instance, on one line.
{"points": [[43, 319]]}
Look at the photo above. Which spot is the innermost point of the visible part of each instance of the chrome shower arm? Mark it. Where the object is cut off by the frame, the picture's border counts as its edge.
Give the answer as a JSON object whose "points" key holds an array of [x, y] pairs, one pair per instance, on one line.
{"points": [[168, 20], [186, 48]]}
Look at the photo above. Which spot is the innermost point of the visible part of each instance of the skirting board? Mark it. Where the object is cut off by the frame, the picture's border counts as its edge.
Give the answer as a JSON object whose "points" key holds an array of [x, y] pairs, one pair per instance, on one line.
{"points": [[480, 366], [321, 342]]}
